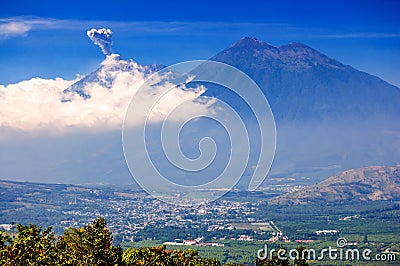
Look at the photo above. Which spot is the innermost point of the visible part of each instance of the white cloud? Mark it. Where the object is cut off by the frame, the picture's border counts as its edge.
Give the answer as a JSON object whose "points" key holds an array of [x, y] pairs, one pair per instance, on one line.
{"points": [[142, 27], [35, 106], [12, 29], [20, 26]]}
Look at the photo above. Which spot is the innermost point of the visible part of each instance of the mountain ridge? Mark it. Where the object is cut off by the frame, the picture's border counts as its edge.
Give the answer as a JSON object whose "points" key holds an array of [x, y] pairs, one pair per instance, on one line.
{"points": [[371, 183], [301, 81], [294, 53], [327, 113]]}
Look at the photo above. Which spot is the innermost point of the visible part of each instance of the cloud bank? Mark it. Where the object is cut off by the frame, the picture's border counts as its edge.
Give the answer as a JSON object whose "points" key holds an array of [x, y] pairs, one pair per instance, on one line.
{"points": [[36, 106]]}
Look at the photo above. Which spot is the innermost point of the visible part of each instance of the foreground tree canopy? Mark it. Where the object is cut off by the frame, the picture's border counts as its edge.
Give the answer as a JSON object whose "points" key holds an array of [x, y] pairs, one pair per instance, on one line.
{"points": [[89, 245]]}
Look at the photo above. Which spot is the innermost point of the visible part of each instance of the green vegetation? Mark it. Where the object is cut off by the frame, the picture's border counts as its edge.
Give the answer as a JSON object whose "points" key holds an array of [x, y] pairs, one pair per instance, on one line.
{"points": [[161, 256], [92, 245], [232, 252], [243, 252], [89, 245], [378, 219]]}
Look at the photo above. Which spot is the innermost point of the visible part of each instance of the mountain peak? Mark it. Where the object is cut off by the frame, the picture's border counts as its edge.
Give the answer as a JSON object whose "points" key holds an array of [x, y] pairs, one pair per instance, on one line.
{"points": [[248, 40], [295, 56], [251, 42], [108, 71]]}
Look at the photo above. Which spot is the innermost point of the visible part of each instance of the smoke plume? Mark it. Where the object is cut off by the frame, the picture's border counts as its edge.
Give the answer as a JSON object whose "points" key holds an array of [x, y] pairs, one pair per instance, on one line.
{"points": [[102, 38]]}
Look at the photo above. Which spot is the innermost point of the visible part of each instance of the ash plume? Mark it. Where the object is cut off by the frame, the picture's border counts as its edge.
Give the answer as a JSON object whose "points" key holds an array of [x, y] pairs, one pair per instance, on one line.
{"points": [[102, 38]]}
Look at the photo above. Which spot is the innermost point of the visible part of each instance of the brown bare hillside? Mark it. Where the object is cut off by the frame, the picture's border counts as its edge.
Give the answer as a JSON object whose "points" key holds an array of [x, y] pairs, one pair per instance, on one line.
{"points": [[370, 183]]}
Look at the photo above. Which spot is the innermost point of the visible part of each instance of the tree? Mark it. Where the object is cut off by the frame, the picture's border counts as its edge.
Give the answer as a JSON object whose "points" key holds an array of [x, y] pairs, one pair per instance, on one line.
{"points": [[147, 256], [32, 246], [89, 245]]}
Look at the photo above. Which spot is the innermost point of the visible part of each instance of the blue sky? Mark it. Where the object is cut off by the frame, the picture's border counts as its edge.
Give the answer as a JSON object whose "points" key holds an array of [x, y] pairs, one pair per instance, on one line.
{"points": [[48, 38]]}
